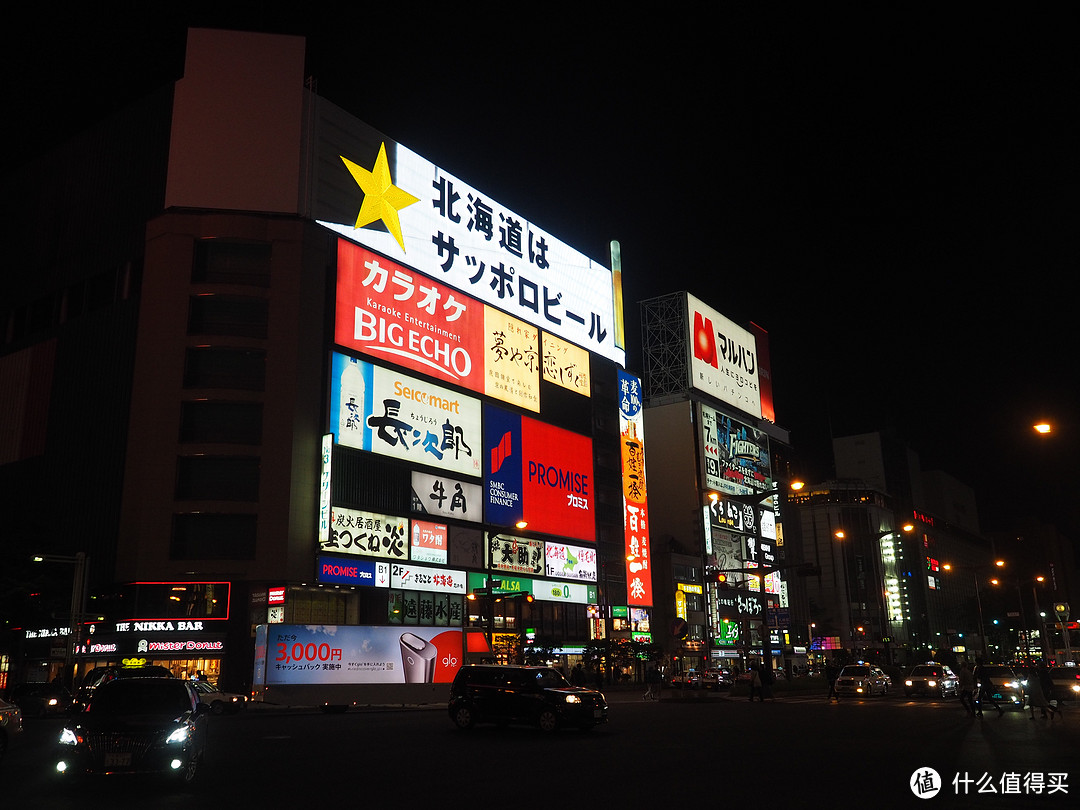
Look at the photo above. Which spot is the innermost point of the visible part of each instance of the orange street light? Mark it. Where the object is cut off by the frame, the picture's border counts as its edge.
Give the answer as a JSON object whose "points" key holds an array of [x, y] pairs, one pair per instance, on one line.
{"points": [[1042, 427]]}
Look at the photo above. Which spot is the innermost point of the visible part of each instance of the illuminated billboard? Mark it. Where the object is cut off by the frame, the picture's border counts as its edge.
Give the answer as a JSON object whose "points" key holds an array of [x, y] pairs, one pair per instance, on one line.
{"points": [[537, 473], [735, 456], [383, 411], [428, 542], [350, 654], [723, 358], [515, 555], [570, 562], [389, 311], [366, 534], [379, 193], [566, 365], [446, 497], [635, 500]]}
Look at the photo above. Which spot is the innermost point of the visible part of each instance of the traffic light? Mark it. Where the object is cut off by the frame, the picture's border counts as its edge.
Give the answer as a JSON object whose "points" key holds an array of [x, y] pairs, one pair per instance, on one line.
{"points": [[722, 581]]}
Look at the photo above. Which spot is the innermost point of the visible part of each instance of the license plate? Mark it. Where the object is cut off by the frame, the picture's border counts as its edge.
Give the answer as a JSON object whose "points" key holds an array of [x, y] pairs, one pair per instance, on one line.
{"points": [[118, 760]]}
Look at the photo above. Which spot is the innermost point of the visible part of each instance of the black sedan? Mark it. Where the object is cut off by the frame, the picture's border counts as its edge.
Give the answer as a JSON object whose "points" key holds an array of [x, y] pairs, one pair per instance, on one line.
{"points": [[137, 725]]}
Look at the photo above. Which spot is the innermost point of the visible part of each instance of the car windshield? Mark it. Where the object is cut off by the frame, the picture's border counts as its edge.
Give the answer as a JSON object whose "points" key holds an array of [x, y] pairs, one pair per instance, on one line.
{"points": [[856, 671], [140, 697], [997, 672], [926, 671]]}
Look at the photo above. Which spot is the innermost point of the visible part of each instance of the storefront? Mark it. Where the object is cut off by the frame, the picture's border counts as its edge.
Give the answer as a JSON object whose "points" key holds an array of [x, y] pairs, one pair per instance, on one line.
{"points": [[187, 648]]}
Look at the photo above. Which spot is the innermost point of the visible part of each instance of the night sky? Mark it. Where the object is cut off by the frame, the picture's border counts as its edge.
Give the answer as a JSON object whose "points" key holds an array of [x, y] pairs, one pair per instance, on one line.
{"points": [[887, 196]]}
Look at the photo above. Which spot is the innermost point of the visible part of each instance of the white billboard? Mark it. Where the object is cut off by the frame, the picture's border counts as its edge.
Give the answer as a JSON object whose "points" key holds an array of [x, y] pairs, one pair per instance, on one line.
{"points": [[570, 562], [723, 358], [380, 194]]}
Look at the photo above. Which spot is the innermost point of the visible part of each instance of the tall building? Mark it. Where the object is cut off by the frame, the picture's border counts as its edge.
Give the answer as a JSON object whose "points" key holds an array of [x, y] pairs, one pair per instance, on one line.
{"points": [[713, 490], [267, 369]]}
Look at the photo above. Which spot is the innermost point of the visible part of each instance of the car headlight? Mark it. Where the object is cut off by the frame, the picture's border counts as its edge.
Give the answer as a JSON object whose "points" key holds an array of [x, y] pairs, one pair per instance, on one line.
{"points": [[179, 735], [1076, 687], [1013, 684], [931, 683], [907, 683], [69, 737], [573, 699]]}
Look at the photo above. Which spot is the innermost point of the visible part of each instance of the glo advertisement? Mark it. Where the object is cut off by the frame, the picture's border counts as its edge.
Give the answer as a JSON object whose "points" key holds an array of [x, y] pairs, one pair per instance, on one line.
{"points": [[635, 501], [539, 474], [723, 358], [383, 411], [350, 654], [392, 312], [378, 193]]}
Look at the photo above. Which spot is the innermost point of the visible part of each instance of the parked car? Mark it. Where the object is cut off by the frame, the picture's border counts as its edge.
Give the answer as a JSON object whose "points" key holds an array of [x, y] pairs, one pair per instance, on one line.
{"points": [[935, 680], [136, 725], [863, 680], [219, 701], [1002, 683], [515, 694], [42, 699], [1066, 683], [11, 724]]}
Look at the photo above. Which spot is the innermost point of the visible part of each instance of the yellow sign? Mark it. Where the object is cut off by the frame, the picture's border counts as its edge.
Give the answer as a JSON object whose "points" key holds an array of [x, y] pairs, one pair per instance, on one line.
{"points": [[566, 364], [511, 360], [688, 588]]}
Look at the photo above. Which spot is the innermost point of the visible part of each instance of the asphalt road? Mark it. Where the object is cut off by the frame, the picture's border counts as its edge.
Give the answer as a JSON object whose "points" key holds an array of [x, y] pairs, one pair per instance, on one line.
{"points": [[688, 752]]}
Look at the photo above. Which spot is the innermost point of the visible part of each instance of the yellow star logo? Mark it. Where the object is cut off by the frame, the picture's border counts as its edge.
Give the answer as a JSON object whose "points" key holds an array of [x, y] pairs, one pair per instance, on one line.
{"points": [[382, 199]]}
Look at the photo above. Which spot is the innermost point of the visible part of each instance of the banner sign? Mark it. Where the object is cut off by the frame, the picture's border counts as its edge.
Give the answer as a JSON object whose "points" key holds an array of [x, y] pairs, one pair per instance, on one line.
{"points": [[635, 506], [350, 654], [723, 358], [570, 562], [446, 497], [344, 571], [515, 555], [383, 411], [440, 580], [537, 473], [367, 534], [428, 542], [378, 193]]}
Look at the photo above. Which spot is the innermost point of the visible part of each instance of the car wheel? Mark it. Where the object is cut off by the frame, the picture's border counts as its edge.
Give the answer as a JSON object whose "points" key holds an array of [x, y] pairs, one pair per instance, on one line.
{"points": [[217, 707], [548, 720], [463, 717]]}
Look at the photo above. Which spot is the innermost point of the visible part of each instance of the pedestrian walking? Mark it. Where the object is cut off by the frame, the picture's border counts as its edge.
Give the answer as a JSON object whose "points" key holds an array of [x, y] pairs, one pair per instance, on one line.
{"points": [[967, 689], [652, 683], [1039, 690], [755, 683], [831, 674], [985, 691]]}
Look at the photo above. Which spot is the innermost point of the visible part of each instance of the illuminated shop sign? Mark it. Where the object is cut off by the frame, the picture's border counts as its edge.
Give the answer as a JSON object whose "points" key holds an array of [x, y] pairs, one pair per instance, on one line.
{"points": [[446, 497], [275, 596], [440, 580], [515, 555], [324, 488], [723, 358], [537, 473], [367, 534], [380, 194], [635, 501], [566, 365], [543, 590], [570, 562], [353, 572], [376, 409], [350, 654], [735, 455], [428, 542]]}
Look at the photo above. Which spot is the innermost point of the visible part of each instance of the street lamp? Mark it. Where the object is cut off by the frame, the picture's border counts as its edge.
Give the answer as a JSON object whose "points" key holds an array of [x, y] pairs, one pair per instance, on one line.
{"points": [[978, 597], [79, 587]]}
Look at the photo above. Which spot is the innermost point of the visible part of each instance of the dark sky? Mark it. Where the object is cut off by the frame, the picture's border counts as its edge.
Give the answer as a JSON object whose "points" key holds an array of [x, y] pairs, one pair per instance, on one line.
{"points": [[892, 199]]}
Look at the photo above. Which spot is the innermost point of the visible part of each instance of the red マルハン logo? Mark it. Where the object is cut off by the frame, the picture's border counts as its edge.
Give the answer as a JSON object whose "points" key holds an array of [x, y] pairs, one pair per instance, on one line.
{"points": [[704, 340], [500, 453]]}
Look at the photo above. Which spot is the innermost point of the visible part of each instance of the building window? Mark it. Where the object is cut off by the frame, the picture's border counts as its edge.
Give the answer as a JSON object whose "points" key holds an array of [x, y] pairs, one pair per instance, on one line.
{"points": [[218, 261], [203, 536], [221, 422], [228, 315], [217, 478], [222, 367]]}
